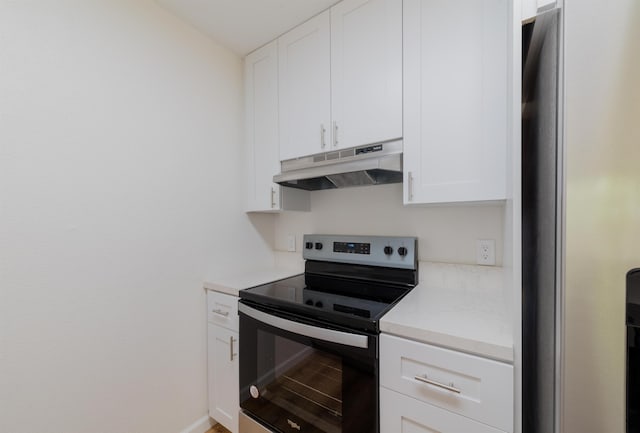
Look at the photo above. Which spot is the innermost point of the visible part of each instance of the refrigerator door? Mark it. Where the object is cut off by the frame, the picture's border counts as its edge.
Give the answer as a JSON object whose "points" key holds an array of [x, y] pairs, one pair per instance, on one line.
{"points": [[540, 223]]}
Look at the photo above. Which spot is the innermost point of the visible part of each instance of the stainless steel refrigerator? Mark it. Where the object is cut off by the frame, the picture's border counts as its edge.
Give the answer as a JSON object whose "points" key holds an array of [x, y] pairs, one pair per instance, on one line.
{"points": [[580, 212], [541, 170]]}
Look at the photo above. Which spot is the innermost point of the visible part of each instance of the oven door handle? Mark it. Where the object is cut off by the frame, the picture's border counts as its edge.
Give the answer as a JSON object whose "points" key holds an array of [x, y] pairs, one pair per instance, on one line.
{"points": [[339, 337]]}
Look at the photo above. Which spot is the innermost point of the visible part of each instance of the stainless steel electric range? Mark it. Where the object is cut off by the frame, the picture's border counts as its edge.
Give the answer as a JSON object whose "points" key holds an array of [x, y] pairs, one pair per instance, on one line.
{"points": [[309, 344]]}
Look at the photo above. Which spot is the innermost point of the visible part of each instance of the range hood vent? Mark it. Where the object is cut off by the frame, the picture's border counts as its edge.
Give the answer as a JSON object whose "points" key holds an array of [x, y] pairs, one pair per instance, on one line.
{"points": [[375, 164]]}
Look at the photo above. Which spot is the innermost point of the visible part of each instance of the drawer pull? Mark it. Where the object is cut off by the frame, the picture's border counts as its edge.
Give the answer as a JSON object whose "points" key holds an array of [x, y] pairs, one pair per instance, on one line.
{"points": [[428, 381], [219, 312], [231, 354], [410, 187]]}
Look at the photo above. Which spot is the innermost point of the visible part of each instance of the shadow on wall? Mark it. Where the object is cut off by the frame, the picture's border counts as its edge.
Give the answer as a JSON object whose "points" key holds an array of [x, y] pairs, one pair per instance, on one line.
{"points": [[264, 225]]}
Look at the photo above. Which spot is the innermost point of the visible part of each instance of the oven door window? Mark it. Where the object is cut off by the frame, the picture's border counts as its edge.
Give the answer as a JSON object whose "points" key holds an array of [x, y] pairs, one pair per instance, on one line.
{"points": [[295, 383]]}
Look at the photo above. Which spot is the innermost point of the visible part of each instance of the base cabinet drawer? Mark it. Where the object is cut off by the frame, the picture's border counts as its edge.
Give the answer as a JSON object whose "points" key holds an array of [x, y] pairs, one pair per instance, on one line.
{"points": [[222, 309], [402, 414], [471, 386]]}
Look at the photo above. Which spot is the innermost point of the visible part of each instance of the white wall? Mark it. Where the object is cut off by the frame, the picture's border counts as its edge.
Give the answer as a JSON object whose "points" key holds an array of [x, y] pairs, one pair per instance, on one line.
{"points": [[119, 144], [445, 233], [603, 206]]}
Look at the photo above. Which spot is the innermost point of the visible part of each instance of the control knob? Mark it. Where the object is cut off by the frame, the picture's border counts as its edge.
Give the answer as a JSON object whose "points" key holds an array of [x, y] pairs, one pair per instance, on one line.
{"points": [[308, 245], [253, 390], [309, 302], [319, 304], [318, 245], [402, 251], [388, 250]]}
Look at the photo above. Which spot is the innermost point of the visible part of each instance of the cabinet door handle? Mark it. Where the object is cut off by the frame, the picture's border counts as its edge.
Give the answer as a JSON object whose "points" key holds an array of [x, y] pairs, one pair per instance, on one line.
{"points": [[231, 354], [335, 134], [428, 381], [410, 186], [323, 143], [273, 197], [219, 312]]}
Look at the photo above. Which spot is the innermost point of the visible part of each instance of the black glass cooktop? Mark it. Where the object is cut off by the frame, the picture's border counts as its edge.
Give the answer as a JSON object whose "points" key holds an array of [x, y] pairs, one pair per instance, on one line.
{"points": [[356, 301]]}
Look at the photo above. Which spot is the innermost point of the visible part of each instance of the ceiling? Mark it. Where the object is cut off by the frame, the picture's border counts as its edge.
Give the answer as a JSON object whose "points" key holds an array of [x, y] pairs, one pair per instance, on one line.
{"points": [[244, 25]]}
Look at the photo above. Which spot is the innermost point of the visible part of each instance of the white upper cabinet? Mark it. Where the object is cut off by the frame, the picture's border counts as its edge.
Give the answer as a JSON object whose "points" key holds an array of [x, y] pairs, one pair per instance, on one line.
{"points": [[262, 137], [261, 102], [455, 100], [305, 88], [366, 72], [340, 78]]}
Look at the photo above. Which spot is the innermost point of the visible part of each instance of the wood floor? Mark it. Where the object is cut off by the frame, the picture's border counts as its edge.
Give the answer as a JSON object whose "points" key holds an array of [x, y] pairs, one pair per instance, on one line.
{"points": [[217, 429]]}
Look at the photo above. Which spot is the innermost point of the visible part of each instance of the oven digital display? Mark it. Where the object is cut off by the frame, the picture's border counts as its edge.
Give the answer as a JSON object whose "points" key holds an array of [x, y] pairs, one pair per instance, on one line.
{"points": [[351, 248]]}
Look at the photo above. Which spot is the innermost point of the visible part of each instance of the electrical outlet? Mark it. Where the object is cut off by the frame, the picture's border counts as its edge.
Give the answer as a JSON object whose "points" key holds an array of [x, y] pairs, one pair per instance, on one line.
{"points": [[291, 243], [486, 252]]}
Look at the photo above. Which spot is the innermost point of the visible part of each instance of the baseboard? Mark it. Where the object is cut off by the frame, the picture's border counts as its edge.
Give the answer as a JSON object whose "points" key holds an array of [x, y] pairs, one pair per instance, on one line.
{"points": [[200, 426]]}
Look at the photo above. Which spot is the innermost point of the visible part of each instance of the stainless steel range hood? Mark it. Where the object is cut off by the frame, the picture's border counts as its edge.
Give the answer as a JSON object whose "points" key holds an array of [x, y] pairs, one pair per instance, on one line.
{"points": [[374, 164]]}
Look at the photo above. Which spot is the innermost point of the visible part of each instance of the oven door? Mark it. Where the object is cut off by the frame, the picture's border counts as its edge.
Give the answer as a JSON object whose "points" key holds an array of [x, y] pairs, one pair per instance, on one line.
{"points": [[299, 376]]}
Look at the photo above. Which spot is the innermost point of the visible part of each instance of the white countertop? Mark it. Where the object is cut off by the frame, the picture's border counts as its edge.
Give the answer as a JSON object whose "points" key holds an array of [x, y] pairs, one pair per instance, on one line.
{"points": [[232, 284], [460, 307]]}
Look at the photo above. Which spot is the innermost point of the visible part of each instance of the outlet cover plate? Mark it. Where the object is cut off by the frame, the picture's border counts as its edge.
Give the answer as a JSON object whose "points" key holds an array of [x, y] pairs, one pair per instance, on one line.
{"points": [[486, 252], [291, 243]]}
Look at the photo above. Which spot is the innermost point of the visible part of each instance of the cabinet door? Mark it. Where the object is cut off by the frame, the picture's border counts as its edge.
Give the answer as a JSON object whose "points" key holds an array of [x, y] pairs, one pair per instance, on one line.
{"points": [[402, 414], [261, 116], [262, 137], [455, 100], [223, 376], [305, 88], [366, 72]]}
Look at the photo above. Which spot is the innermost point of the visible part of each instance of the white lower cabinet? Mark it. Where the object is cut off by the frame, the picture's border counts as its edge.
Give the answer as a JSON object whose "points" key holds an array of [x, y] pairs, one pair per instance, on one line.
{"points": [[425, 388], [402, 414], [222, 368]]}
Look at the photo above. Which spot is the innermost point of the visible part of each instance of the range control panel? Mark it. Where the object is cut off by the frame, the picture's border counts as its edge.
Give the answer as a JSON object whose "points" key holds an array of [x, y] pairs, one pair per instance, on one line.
{"points": [[389, 251], [352, 247]]}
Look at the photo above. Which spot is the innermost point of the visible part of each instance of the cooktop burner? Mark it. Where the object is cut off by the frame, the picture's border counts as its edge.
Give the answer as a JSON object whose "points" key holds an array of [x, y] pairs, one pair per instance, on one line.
{"points": [[349, 281]]}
